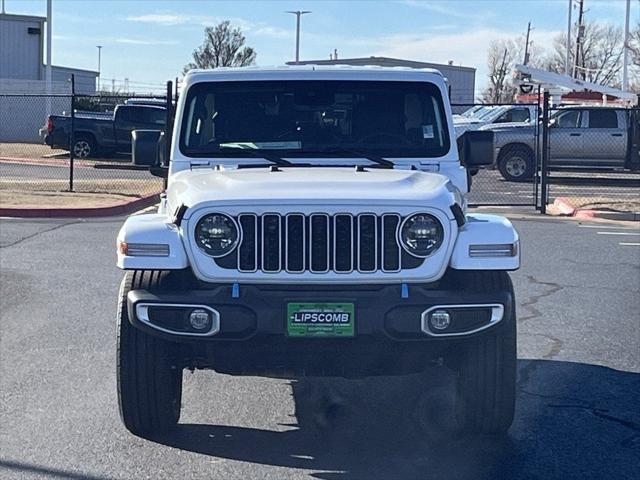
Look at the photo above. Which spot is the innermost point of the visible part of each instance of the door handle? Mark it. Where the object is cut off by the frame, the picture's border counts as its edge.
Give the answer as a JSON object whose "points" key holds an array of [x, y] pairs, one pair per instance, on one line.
{"points": [[616, 134], [575, 134]]}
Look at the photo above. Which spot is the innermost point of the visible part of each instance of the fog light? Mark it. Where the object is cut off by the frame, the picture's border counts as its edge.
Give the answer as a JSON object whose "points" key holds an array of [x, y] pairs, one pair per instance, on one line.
{"points": [[199, 319], [440, 319]]}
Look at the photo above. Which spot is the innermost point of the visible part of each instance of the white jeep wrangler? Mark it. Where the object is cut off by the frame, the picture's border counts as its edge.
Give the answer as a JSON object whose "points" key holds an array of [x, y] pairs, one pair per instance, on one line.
{"points": [[314, 223]]}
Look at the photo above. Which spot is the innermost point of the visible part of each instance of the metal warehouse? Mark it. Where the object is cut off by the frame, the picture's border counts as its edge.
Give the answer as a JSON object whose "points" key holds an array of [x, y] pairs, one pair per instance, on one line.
{"points": [[22, 72]]}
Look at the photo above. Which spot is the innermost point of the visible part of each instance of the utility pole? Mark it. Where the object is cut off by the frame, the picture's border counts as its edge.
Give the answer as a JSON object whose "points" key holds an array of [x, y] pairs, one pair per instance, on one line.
{"points": [[526, 45], [567, 60], [99, 47], [3, 11], [47, 71], [579, 41], [298, 14], [625, 59]]}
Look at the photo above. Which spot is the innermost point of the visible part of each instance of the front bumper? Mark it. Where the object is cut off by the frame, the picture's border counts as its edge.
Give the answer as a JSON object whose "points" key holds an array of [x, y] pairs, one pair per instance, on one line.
{"points": [[252, 334]]}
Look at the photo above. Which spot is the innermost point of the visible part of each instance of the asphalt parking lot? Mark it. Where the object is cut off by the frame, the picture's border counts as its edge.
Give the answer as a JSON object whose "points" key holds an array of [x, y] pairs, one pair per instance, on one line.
{"points": [[578, 389]]}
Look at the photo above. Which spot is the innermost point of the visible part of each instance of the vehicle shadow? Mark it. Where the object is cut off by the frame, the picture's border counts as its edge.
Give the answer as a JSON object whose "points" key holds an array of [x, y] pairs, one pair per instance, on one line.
{"points": [[572, 421]]}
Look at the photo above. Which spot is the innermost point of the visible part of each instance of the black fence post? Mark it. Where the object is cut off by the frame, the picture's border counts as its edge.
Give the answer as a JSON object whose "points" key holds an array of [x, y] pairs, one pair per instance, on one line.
{"points": [[536, 133], [72, 139], [544, 167], [168, 129]]}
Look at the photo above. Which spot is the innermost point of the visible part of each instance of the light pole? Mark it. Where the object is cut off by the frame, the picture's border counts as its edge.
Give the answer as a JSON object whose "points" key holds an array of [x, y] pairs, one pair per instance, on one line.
{"points": [[568, 47], [298, 14], [99, 47], [625, 59], [47, 71]]}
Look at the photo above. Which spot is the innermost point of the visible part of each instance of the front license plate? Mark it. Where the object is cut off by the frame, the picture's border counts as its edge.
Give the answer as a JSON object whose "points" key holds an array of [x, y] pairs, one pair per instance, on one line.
{"points": [[320, 319]]}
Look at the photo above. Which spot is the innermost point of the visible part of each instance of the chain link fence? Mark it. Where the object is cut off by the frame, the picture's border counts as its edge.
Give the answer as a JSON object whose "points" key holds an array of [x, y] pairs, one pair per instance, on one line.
{"points": [[55, 144], [489, 186], [593, 157], [60, 143]]}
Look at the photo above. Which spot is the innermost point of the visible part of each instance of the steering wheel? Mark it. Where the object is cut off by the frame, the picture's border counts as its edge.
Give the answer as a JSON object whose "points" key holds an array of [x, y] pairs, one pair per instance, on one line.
{"points": [[394, 137]]}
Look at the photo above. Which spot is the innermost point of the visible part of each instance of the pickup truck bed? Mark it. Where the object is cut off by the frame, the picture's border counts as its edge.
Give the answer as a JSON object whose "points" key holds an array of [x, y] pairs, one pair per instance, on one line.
{"points": [[97, 134]]}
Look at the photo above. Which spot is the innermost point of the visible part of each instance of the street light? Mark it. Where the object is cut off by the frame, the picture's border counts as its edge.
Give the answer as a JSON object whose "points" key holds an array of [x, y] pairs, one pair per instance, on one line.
{"points": [[298, 14], [99, 47]]}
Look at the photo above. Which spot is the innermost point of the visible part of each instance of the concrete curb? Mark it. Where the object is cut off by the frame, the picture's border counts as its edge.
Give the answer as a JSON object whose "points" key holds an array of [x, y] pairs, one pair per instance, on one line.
{"points": [[121, 208], [564, 207]]}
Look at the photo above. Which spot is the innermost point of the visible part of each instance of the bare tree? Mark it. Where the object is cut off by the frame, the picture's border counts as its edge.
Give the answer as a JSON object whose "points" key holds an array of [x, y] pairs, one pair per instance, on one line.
{"points": [[502, 57], [600, 59], [633, 44], [223, 46], [499, 60]]}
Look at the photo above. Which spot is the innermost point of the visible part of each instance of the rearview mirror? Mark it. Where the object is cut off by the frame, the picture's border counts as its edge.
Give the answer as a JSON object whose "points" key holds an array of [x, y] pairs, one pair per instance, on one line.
{"points": [[149, 149], [475, 148]]}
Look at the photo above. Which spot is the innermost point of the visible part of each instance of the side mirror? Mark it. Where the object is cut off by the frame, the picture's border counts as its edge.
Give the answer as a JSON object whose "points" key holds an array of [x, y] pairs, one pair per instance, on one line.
{"points": [[475, 148], [148, 148]]}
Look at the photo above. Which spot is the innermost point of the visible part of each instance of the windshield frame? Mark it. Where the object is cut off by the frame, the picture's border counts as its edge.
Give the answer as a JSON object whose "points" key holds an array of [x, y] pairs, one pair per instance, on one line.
{"points": [[432, 89]]}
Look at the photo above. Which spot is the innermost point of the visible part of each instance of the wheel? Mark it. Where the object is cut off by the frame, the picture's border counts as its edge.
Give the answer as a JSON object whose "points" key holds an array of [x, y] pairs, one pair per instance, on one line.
{"points": [[84, 146], [517, 164], [486, 370], [149, 381]]}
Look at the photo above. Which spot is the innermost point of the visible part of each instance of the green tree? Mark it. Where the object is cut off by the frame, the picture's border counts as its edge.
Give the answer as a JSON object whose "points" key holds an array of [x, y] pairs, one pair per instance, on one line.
{"points": [[223, 46]]}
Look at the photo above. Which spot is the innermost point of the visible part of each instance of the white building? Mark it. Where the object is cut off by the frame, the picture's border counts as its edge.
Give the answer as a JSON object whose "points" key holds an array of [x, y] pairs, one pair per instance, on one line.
{"points": [[23, 104]]}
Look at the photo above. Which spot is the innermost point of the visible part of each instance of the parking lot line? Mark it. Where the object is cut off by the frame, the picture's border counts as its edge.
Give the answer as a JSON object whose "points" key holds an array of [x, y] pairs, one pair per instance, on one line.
{"points": [[618, 233], [603, 227], [629, 244]]}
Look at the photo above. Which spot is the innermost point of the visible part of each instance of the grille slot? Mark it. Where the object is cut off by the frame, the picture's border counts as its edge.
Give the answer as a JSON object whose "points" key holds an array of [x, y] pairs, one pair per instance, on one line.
{"points": [[367, 242], [319, 243], [319, 239], [295, 243], [271, 246]]}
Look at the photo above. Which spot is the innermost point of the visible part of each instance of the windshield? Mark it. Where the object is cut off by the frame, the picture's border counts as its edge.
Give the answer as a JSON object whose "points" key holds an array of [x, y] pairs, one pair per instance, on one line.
{"points": [[472, 112], [306, 118], [491, 112]]}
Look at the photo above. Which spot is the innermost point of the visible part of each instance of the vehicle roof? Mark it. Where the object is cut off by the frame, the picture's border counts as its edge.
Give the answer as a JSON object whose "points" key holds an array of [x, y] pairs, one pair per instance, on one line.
{"points": [[583, 107], [315, 72]]}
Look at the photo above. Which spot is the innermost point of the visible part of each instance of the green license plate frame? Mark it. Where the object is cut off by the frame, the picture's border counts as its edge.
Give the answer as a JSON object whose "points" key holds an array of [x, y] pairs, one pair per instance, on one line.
{"points": [[320, 319]]}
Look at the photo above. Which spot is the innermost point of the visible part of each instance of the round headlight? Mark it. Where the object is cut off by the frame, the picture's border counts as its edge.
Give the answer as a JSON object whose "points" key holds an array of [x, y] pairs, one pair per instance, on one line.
{"points": [[217, 235], [421, 234]]}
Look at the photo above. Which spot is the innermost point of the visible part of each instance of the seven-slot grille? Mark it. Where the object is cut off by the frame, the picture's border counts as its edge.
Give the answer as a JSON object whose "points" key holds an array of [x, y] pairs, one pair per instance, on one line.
{"points": [[319, 243]]}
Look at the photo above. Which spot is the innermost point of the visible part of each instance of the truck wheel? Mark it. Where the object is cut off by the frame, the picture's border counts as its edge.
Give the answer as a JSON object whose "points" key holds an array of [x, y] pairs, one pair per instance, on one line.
{"points": [[486, 373], [149, 381], [84, 146], [517, 164]]}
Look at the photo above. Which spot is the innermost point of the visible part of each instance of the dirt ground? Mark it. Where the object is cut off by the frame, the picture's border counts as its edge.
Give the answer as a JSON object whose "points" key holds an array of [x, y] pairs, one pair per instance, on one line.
{"points": [[603, 203], [20, 199], [29, 150]]}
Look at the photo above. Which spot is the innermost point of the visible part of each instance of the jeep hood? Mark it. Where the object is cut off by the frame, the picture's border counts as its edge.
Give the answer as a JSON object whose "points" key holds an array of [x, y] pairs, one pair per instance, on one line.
{"points": [[308, 185]]}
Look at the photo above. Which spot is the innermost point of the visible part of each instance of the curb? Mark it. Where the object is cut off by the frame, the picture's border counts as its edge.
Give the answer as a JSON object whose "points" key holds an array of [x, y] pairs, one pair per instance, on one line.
{"points": [[565, 208], [110, 211]]}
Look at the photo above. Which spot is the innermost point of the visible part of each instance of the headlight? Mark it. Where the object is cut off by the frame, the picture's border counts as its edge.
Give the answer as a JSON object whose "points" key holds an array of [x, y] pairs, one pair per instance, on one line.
{"points": [[421, 234], [217, 235]]}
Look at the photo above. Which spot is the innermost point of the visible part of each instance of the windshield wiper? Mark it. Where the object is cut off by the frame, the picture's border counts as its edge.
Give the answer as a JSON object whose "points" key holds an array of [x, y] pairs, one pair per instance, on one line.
{"points": [[377, 159], [258, 154]]}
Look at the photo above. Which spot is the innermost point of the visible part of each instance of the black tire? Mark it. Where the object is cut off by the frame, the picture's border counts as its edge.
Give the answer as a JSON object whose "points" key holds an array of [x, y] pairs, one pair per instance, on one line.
{"points": [[517, 164], [486, 370], [149, 380], [84, 146]]}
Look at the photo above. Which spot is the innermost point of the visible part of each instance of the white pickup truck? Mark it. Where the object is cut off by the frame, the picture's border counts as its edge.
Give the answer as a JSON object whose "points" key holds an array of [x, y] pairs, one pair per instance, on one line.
{"points": [[503, 115], [314, 223]]}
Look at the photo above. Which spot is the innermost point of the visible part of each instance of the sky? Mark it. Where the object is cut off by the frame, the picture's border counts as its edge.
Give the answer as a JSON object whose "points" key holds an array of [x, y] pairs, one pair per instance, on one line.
{"points": [[149, 41]]}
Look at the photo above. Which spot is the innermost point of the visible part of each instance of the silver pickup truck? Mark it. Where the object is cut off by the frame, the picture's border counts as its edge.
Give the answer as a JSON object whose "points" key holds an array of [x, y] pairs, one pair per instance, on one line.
{"points": [[584, 137]]}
